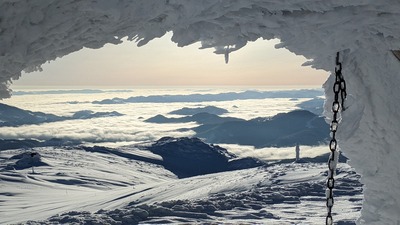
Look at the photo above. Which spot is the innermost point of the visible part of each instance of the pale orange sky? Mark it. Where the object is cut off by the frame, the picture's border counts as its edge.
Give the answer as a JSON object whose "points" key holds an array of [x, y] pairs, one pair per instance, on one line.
{"points": [[161, 62]]}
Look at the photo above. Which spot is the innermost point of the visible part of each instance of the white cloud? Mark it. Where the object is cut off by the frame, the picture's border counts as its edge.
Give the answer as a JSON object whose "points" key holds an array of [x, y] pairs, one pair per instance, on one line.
{"points": [[275, 153]]}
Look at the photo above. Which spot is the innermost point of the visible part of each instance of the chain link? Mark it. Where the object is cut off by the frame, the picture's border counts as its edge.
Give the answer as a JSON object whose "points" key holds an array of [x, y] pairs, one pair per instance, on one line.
{"points": [[339, 90]]}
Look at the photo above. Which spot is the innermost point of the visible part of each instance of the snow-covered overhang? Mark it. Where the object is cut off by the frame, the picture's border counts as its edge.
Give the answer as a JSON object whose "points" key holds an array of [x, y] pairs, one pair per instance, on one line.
{"points": [[364, 31], [33, 32]]}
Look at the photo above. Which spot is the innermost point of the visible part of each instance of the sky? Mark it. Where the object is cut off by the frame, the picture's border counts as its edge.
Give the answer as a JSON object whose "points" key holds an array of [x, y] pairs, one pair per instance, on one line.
{"points": [[162, 63]]}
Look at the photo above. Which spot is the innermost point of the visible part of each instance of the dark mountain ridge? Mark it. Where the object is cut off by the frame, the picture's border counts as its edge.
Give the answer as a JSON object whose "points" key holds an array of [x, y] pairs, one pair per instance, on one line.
{"points": [[207, 109], [190, 157], [201, 118], [285, 129], [11, 116]]}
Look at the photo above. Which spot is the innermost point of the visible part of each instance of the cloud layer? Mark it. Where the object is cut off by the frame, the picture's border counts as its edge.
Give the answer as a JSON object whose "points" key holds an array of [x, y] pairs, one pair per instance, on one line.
{"points": [[129, 128]]}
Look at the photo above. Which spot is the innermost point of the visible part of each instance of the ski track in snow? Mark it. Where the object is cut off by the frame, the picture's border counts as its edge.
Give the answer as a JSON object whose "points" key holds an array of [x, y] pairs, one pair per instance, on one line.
{"points": [[77, 183]]}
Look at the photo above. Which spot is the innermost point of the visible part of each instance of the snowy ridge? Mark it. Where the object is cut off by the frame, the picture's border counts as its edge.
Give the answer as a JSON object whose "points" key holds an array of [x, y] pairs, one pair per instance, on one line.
{"points": [[33, 32]]}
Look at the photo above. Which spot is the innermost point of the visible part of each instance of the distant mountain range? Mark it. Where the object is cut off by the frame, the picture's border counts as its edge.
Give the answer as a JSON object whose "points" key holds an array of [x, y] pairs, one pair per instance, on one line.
{"points": [[201, 118], [207, 109], [12, 116], [285, 129], [228, 96], [201, 115]]}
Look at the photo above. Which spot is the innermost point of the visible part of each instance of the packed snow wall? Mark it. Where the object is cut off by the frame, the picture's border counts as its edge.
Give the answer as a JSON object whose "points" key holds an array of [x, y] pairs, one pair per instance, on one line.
{"points": [[364, 31]]}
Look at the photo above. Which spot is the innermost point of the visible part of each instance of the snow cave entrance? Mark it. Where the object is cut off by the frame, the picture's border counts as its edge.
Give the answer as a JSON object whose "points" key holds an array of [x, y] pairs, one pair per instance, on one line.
{"points": [[226, 52], [367, 30]]}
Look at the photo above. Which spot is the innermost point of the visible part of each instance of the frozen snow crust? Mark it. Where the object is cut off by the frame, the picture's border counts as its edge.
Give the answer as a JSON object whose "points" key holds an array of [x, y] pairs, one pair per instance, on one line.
{"points": [[364, 31]]}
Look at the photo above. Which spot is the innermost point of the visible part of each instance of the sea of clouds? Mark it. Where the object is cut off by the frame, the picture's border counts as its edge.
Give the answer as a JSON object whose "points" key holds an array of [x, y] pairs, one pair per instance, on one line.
{"points": [[131, 128]]}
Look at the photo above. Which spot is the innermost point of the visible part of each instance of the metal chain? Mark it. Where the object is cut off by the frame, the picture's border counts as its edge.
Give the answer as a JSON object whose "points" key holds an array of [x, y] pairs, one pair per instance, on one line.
{"points": [[339, 89]]}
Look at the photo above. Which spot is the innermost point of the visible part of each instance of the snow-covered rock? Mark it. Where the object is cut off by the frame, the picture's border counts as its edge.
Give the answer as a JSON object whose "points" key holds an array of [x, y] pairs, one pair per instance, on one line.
{"points": [[26, 160]]}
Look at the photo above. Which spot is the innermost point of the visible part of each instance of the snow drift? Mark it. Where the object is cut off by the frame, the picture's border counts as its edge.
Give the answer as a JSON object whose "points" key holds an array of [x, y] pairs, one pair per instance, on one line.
{"points": [[364, 31]]}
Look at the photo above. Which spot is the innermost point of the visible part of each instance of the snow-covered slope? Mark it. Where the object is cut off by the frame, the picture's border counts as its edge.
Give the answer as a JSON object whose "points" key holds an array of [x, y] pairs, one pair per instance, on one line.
{"points": [[364, 31], [73, 180], [73, 185]]}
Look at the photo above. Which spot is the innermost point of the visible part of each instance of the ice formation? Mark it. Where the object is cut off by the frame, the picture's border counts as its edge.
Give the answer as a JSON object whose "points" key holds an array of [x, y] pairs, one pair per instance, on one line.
{"points": [[364, 31]]}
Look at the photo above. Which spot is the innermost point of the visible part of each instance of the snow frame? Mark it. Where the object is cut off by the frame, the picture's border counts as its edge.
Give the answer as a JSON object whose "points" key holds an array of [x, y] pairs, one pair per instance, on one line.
{"points": [[364, 31]]}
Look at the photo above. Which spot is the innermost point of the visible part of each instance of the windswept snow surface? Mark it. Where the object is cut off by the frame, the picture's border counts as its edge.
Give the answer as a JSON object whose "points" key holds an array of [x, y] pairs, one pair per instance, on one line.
{"points": [[89, 187], [364, 31]]}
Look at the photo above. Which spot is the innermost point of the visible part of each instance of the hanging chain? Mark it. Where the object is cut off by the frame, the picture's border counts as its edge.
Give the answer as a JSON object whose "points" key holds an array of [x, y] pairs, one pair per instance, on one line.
{"points": [[339, 89]]}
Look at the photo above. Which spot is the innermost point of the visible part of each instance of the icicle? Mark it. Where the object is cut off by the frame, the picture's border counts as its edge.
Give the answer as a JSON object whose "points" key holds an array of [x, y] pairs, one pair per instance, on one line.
{"points": [[227, 51]]}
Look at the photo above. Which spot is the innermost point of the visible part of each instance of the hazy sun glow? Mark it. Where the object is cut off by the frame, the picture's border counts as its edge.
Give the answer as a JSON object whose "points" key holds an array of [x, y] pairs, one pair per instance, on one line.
{"points": [[162, 63]]}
